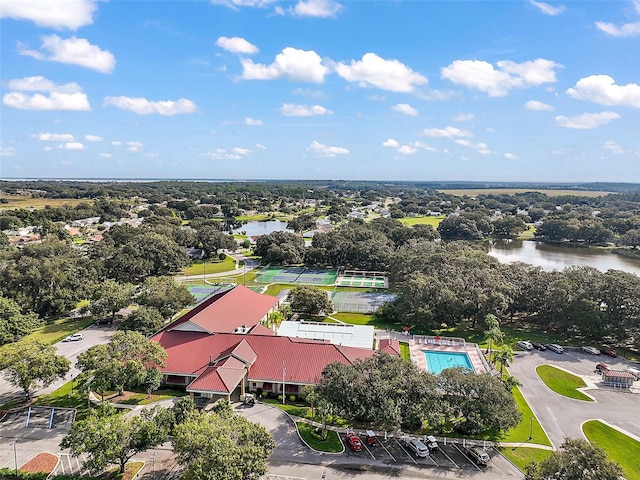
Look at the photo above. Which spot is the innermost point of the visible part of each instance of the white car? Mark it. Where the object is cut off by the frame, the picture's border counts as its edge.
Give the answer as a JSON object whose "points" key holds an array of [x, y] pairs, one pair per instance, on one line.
{"points": [[76, 337], [417, 447], [524, 345], [554, 347], [591, 350]]}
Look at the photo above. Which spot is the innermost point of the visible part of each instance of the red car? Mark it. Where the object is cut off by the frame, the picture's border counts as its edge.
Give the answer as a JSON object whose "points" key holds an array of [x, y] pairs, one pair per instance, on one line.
{"points": [[610, 352], [354, 442]]}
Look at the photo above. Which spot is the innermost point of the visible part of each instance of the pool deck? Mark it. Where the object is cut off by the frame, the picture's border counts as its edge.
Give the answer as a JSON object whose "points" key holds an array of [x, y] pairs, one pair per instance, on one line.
{"points": [[418, 358]]}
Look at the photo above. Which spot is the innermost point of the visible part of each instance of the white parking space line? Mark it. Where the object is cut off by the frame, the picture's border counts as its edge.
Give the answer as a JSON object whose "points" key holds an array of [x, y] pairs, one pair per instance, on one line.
{"points": [[450, 459], [493, 464], [465, 456], [387, 450], [610, 396], [405, 451], [367, 449]]}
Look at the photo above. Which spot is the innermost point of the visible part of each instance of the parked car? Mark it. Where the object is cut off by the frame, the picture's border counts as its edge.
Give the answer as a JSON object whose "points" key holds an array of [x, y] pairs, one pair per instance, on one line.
{"points": [[372, 440], [76, 337], [554, 347], [524, 345], [591, 350], [417, 447], [104, 321], [610, 352], [432, 443], [539, 346], [480, 455], [602, 367], [634, 371], [354, 442]]}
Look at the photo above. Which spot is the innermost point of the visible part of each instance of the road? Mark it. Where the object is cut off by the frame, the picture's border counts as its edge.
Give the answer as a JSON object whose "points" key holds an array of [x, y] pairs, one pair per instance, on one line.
{"points": [[561, 416]]}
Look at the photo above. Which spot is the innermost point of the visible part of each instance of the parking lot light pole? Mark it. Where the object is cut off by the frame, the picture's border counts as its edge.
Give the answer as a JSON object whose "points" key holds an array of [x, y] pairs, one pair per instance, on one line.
{"points": [[15, 455]]}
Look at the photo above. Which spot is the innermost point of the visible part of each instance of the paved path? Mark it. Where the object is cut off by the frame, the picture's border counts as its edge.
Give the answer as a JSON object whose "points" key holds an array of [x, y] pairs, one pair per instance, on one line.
{"points": [[563, 417]]}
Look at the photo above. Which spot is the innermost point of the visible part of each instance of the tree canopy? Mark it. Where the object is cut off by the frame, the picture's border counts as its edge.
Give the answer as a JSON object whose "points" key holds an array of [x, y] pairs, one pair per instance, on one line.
{"points": [[309, 300]]}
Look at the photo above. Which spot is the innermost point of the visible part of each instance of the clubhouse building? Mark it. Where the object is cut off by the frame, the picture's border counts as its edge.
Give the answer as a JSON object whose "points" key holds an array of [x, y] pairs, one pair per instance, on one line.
{"points": [[222, 349]]}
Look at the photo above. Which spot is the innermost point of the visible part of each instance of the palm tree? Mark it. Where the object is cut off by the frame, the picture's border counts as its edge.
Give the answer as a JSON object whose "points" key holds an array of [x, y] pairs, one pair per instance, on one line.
{"points": [[493, 332], [510, 382], [504, 356]]}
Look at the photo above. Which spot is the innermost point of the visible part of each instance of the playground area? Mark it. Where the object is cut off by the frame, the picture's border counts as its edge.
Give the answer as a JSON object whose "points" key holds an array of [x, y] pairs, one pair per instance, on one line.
{"points": [[297, 276], [359, 302]]}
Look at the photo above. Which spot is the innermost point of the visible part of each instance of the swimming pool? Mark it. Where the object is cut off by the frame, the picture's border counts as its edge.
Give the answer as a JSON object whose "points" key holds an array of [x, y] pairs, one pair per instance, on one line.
{"points": [[438, 361]]}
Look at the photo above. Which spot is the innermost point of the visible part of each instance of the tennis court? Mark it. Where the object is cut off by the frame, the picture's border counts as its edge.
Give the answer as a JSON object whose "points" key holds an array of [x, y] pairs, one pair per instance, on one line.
{"points": [[356, 302], [205, 290], [363, 279], [297, 275]]}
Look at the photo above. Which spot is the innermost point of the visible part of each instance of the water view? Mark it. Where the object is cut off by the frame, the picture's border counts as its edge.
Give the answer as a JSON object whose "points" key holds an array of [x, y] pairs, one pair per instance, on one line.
{"points": [[254, 228], [553, 257]]}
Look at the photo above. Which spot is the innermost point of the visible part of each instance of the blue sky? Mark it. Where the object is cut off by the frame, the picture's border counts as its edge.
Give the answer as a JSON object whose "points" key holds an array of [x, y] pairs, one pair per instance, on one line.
{"points": [[321, 89]]}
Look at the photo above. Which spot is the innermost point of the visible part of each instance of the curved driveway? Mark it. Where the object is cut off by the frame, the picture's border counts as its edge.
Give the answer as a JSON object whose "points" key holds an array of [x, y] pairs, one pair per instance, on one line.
{"points": [[561, 416]]}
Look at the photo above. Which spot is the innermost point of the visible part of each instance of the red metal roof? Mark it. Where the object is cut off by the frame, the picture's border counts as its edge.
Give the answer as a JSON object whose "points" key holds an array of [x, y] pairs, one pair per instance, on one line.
{"points": [[229, 310], [303, 361], [222, 377], [619, 374], [390, 346]]}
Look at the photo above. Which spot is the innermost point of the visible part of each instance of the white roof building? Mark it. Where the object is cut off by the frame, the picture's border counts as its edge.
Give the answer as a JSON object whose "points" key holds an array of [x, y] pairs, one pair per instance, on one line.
{"points": [[360, 336]]}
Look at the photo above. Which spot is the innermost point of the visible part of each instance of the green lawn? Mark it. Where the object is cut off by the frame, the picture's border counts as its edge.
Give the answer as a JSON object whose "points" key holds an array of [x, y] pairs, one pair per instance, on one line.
{"points": [[520, 433], [433, 221], [562, 382], [523, 456], [620, 448], [202, 268], [331, 444], [363, 319], [291, 409], [404, 351]]}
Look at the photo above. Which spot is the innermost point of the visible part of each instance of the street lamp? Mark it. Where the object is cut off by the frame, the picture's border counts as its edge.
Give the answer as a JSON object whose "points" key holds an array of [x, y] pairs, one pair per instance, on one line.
{"points": [[15, 454], [531, 428], [153, 463]]}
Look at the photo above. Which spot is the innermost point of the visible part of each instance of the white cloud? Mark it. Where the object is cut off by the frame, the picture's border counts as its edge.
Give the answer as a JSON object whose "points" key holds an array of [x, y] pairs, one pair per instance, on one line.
{"points": [[586, 120], [7, 152], [625, 30], [292, 64], [464, 117], [480, 147], [93, 138], [261, 147], [548, 9], [134, 146], [497, 82], [537, 105], [405, 109], [55, 137], [56, 97], [151, 155], [73, 146], [390, 142], [57, 14], [316, 8], [252, 122], [407, 150], [375, 71], [237, 45], [73, 51], [293, 110], [116, 143], [142, 106], [236, 4], [235, 153], [326, 151], [602, 89], [446, 132], [510, 156], [614, 148], [106, 155]]}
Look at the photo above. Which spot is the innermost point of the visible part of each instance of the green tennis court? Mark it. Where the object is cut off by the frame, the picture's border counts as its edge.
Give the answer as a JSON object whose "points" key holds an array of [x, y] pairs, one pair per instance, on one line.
{"points": [[297, 275]]}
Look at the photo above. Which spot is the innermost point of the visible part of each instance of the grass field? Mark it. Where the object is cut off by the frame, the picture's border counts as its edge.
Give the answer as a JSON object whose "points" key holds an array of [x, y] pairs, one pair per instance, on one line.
{"points": [[473, 192], [620, 448], [200, 268], [528, 424], [331, 444], [433, 221], [561, 382], [21, 201], [523, 456]]}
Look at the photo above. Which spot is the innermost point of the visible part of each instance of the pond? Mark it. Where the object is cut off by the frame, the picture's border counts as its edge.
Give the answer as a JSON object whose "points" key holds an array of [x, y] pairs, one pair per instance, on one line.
{"points": [[554, 257], [255, 228]]}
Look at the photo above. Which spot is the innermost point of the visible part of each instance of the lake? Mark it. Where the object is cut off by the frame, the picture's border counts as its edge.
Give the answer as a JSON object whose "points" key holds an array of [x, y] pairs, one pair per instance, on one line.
{"points": [[254, 228], [553, 257]]}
